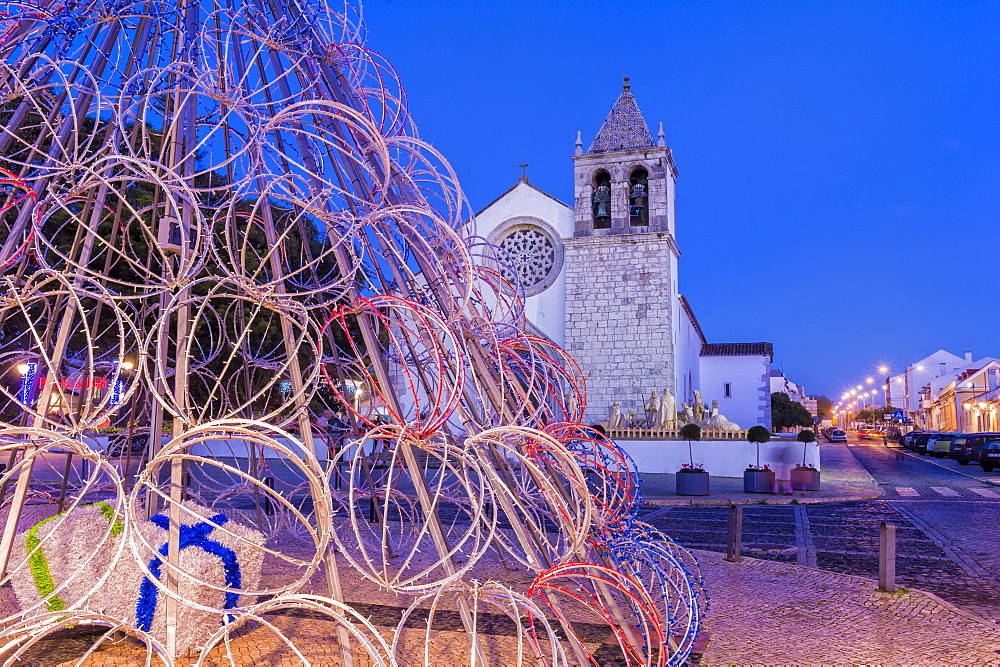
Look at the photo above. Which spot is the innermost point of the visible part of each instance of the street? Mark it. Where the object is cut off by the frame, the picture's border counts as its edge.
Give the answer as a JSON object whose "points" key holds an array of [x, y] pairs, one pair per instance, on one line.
{"points": [[946, 525]]}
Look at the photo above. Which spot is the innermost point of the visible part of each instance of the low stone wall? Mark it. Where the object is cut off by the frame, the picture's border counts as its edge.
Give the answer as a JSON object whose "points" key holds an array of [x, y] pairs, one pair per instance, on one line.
{"points": [[722, 458]]}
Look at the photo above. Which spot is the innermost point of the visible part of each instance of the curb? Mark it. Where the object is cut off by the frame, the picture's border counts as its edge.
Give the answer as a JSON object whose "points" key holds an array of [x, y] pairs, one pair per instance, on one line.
{"points": [[773, 499]]}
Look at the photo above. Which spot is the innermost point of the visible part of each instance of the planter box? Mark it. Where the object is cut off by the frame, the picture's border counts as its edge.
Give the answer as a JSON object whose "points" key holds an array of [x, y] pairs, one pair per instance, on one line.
{"points": [[692, 483], [805, 480], [758, 481]]}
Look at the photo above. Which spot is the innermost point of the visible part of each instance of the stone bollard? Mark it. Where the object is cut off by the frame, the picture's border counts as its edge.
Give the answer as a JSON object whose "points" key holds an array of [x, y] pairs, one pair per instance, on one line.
{"points": [[734, 545], [887, 557]]}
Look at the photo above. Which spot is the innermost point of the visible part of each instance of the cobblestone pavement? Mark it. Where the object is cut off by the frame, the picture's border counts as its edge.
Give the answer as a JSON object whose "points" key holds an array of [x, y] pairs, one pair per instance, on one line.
{"points": [[773, 613], [843, 537]]}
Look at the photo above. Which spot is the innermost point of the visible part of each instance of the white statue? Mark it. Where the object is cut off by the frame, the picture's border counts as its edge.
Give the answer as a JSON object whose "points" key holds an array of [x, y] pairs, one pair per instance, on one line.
{"points": [[574, 405], [630, 420], [698, 408], [651, 409], [666, 416], [718, 422], [687, 414], [614, 416]]}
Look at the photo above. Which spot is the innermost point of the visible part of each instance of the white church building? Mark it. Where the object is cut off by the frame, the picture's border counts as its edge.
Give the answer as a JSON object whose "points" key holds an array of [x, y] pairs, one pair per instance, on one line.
{"points": [[600, 277]]}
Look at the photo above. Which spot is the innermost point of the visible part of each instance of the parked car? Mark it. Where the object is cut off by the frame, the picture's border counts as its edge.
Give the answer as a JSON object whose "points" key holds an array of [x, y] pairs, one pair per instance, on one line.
{"points": [[909, 438], [939, 443], [966, 448], [894, 434], [118, 444], [989, 455], [919, 442], [836, 435]]}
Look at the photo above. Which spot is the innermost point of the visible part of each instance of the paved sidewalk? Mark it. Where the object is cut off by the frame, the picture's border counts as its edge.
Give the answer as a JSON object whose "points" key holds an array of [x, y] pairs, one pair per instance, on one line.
{"points": [[766, 612], [842, 478], [772, 613]]}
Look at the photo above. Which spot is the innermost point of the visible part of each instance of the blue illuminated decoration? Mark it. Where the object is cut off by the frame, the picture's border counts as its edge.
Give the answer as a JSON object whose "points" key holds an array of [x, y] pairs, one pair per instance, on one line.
{"points": [[116, 393], [28, 383]]}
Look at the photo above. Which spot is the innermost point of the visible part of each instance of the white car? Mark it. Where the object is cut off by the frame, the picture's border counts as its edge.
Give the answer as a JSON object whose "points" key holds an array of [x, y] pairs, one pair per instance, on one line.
{"points": [[836, 435]]}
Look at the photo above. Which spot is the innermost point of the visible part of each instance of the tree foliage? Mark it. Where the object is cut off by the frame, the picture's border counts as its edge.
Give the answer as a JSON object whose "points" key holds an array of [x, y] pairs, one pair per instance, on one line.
{"points": [[824, 407], [691, 432], [758, 434], [786, 413]]}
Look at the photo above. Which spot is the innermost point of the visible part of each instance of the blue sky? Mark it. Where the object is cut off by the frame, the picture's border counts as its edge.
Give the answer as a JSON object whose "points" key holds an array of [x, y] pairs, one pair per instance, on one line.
{"points": [[839, 189]]}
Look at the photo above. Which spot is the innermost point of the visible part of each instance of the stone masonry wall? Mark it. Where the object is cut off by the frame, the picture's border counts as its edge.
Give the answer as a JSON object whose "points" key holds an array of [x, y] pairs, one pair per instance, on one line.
{"points": [[618, 318]]}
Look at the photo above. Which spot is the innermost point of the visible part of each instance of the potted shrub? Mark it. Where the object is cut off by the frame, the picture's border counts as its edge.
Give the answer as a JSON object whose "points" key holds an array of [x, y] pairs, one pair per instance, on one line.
{"points": [[758, 478], [805, 477], [692, 480]]}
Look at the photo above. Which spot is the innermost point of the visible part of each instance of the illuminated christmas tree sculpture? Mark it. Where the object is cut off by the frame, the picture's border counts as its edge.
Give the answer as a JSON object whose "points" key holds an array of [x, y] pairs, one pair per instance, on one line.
{"points": [[251, 347]]}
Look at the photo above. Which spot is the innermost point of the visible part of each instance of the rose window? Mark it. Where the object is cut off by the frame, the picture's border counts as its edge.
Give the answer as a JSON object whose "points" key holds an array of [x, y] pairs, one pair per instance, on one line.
{"points": [[530, 253]]}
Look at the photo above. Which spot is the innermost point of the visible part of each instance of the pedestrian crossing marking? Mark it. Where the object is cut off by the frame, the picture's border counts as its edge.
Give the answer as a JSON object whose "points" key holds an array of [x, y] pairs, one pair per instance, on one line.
{"points": [[986, 493], [945, 491], [908, 491]]}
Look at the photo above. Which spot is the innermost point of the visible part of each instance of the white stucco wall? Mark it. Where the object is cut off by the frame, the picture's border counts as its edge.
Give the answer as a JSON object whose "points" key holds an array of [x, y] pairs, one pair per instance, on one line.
{"points": [[525, 203], [688, 358], [923, 372], [747, 377], [721, 458]]}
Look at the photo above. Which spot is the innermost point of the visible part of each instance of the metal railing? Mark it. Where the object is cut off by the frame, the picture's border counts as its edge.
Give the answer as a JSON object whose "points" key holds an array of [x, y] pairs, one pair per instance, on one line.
{"points": [[673, 434]]}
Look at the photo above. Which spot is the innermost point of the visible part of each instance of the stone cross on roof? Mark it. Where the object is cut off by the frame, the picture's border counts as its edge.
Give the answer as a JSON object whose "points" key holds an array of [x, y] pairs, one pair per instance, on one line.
{"points": [[624, 128]]}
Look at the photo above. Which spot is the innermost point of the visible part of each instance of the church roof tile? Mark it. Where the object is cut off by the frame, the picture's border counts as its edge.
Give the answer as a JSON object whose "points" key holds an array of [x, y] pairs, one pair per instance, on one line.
{"points": [[624, 129]]}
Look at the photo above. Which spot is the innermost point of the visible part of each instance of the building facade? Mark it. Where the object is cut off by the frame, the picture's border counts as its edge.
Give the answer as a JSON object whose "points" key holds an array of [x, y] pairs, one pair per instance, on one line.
{"points": [[600, 278]]}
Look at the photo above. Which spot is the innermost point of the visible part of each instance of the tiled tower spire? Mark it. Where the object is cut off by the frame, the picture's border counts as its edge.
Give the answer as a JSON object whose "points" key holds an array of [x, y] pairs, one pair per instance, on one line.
{"points": [[624, 128]]}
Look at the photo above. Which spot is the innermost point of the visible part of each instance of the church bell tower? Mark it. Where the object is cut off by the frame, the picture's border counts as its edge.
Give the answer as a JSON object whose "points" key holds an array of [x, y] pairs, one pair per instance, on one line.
{"points": [[622, 306]]}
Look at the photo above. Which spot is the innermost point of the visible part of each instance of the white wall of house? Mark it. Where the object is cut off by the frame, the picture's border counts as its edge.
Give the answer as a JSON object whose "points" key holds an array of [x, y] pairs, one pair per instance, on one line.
{"points": [[942, 397], [688, 373], [781, 384], [526, 204], [746, 376], [918, 375], [975, 398]]}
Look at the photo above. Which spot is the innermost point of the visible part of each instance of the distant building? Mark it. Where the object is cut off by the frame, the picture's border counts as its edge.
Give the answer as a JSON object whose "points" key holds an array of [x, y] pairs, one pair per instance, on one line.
{"points": [[797, 392], [903, 388], [781, 384], [966, 400], [738, 376], [600, 279]]}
